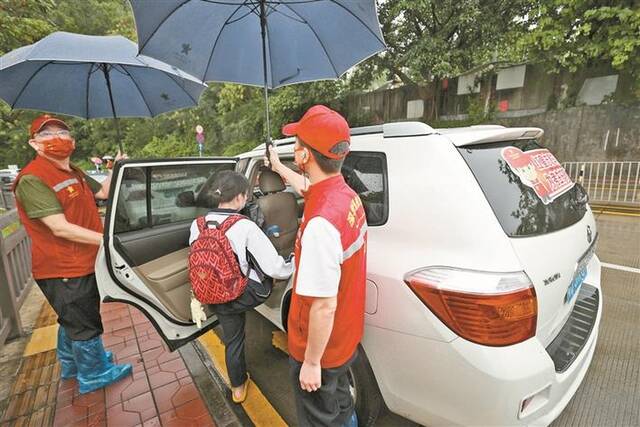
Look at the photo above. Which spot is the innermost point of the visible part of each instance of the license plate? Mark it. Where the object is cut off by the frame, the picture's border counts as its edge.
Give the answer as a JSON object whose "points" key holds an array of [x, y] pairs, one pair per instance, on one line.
{"points": [[575, 284], [580, 275]]}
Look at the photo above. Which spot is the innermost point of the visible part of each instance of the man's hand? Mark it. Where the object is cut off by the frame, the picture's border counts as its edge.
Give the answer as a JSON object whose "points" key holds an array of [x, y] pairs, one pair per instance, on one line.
{"points": [[310, 376], [274, 159], [297, 181]]}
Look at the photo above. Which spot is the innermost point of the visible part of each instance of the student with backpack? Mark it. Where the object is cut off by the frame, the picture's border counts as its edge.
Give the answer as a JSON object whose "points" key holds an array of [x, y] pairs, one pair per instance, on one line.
{"points": [[231, 264]]}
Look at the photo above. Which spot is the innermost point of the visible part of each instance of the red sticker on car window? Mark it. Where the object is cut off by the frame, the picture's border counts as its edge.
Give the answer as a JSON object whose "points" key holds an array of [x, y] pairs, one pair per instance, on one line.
{"points": [[540, 170]]}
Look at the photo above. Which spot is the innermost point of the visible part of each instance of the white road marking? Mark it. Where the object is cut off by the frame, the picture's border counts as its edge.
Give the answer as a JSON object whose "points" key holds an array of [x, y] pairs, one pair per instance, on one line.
{"points": [[621, 267]]}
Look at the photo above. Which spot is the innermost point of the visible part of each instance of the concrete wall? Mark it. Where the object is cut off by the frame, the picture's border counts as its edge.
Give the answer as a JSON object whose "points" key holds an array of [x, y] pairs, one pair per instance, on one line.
{"points": [[581, 133]]}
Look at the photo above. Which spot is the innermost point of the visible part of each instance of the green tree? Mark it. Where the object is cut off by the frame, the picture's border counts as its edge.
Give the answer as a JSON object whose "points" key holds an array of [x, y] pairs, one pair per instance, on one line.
{"points": [[569, 35], [430, 40]]}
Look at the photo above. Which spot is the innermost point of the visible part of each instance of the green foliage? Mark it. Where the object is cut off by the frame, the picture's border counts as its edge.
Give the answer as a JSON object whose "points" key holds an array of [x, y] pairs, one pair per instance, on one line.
{"points": [[24, 22], [568, 35], [434, 39]]}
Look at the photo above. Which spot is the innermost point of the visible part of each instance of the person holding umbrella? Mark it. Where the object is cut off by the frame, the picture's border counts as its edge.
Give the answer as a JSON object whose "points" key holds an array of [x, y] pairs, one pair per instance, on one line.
{"points": [[326, 316], [56, 203]]}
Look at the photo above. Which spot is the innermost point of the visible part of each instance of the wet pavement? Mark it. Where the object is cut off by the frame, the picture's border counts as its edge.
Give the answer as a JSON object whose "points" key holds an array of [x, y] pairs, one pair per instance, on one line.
{"points": [[610, 392]]}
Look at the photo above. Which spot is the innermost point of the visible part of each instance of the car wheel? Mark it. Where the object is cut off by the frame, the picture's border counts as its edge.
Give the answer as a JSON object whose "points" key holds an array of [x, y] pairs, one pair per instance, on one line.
{"points": [[364, 389]]}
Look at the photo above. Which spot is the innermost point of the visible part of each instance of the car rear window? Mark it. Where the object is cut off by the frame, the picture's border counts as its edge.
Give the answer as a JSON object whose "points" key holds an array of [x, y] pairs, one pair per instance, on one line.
{"points": [[527, 189]]}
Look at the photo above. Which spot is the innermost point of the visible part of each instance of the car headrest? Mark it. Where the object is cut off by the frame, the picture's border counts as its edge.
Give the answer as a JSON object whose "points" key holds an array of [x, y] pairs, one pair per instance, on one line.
{"points": [[270, 182]]}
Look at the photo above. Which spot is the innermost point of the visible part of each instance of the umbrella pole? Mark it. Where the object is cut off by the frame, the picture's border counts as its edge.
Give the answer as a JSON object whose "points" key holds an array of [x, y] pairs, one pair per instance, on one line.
{"points": [[263, 29], [113, 107]]}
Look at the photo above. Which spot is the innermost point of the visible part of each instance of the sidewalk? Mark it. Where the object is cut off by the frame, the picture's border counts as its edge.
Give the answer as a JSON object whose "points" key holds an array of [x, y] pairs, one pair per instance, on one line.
{"points": [[161, 391]]}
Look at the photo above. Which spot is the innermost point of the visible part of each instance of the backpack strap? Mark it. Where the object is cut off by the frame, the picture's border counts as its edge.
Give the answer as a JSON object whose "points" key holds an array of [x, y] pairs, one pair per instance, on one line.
{"points": [[230, 221], [201, 222]]}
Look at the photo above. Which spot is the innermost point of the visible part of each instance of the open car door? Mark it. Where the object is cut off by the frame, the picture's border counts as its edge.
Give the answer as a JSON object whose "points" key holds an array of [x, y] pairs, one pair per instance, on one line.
{"points": [[144, 259]]}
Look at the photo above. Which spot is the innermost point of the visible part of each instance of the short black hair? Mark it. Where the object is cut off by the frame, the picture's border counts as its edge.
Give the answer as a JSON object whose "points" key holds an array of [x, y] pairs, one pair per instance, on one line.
{"points": [[327, 164], [227, 185]]}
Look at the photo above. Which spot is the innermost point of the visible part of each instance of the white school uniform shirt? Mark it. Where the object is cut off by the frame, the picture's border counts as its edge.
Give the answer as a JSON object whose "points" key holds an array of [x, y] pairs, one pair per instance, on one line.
{"points": [[245, 236], [321, 258]]}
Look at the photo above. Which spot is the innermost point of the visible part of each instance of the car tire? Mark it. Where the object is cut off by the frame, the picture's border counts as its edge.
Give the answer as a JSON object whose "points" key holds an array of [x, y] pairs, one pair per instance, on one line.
{"points": [[367, 396]]}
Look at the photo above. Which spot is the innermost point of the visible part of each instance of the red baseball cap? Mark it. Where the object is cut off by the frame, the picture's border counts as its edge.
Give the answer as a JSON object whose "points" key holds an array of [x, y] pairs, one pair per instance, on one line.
{"points": [[41, 121], [321, 128]]}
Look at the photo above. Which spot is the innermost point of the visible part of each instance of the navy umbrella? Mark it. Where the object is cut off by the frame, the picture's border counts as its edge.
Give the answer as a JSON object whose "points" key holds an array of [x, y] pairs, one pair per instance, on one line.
{"points": [[93, 77], [269, 43]]}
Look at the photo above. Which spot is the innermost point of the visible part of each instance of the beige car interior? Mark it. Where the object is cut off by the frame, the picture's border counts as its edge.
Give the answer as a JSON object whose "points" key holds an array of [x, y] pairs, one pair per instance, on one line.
{"points": [[280, 209], [168, 276]]}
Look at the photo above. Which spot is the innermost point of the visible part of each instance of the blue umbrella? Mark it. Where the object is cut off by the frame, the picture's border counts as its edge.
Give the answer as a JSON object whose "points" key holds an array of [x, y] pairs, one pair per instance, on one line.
{"points": [[270, 43], [92, 77]]}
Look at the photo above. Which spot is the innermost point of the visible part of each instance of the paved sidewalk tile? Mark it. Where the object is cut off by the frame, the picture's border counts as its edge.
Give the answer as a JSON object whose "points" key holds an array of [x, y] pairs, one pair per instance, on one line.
{"points": [[160, 392]]}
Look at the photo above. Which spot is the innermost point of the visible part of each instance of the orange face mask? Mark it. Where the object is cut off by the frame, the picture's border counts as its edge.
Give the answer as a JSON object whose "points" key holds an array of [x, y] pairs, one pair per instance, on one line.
{"points": [[58, 148]]}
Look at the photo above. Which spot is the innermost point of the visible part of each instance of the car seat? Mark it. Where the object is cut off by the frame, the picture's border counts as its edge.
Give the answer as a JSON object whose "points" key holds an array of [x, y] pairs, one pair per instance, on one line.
{"points": [[280, 212]]}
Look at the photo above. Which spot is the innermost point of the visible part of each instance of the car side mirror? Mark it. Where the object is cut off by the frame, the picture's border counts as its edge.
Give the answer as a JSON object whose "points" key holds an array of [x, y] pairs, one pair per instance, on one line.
{"points": [[186, 199]]}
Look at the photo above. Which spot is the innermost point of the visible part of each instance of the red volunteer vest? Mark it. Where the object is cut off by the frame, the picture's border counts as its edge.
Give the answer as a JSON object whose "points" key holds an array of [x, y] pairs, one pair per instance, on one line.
{"points": [[335, 201], [54, 257]]}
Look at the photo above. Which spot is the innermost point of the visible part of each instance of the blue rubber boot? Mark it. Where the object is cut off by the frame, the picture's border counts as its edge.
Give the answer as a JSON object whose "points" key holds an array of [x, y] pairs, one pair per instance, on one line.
{"points": [[64, 351], [65, 356], [94, 370]]}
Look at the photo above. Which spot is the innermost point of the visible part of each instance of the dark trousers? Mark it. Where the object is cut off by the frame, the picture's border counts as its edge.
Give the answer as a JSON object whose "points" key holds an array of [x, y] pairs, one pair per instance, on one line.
{"points": [[231, 316], [330, 405], [76, 301]]}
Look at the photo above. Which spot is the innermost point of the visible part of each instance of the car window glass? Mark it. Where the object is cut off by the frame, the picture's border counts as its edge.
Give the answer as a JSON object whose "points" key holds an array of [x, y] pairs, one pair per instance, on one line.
{"points": [[175, 193], [522, 208], [242, 165], [131, 210], [173, 190], [365, 173]]}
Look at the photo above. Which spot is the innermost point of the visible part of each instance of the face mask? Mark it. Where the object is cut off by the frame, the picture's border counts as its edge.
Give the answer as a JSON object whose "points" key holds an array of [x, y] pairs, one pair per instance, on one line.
{"points": [[58, 148]]}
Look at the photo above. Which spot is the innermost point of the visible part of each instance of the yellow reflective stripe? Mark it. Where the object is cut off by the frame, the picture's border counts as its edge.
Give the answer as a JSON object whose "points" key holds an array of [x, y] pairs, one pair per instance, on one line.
{"points": [[256, 406]]}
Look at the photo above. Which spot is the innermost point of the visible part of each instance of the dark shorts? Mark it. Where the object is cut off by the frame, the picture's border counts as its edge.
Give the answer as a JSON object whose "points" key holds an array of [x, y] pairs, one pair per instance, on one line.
{"points": [[330, 405], [76, 301]]}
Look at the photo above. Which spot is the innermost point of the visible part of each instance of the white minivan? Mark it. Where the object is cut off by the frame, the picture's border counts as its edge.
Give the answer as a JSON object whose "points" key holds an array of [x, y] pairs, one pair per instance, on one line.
{"points": [[483, 288]]}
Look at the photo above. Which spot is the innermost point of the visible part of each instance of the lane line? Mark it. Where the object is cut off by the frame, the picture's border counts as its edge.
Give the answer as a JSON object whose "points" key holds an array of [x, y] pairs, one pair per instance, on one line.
{"points": [[621, 267], [257, 407]]}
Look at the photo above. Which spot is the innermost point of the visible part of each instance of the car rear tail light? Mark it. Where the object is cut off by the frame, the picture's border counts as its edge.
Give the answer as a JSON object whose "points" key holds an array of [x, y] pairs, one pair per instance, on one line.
{"points": [[494, 309]]}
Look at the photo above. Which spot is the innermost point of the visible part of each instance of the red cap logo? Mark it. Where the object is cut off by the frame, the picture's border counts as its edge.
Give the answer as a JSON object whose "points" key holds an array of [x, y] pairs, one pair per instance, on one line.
{"points": [[321, 128]]}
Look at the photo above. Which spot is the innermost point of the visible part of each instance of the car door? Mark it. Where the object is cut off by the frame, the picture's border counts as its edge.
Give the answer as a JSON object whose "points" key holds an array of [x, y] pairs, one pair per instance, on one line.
{"points": [[144, 259]]}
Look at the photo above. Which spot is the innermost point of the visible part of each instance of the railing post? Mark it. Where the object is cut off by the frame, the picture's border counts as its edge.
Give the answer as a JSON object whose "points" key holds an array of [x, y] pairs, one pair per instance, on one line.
{"points": [[8, 298]]}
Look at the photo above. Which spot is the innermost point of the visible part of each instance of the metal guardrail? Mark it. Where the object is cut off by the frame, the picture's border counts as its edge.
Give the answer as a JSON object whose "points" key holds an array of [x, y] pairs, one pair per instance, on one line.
{"points": [[15, 273], [7, 199], [608, 182]]}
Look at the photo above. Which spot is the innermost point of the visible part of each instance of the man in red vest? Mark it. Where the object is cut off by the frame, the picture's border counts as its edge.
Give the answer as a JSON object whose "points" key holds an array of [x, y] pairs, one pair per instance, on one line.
{"points": [[56, 204], [326, 317]]}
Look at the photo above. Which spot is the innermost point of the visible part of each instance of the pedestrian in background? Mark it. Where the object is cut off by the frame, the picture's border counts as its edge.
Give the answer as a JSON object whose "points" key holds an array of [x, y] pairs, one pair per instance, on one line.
{"points": [[326, 317], [56, 203]]}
